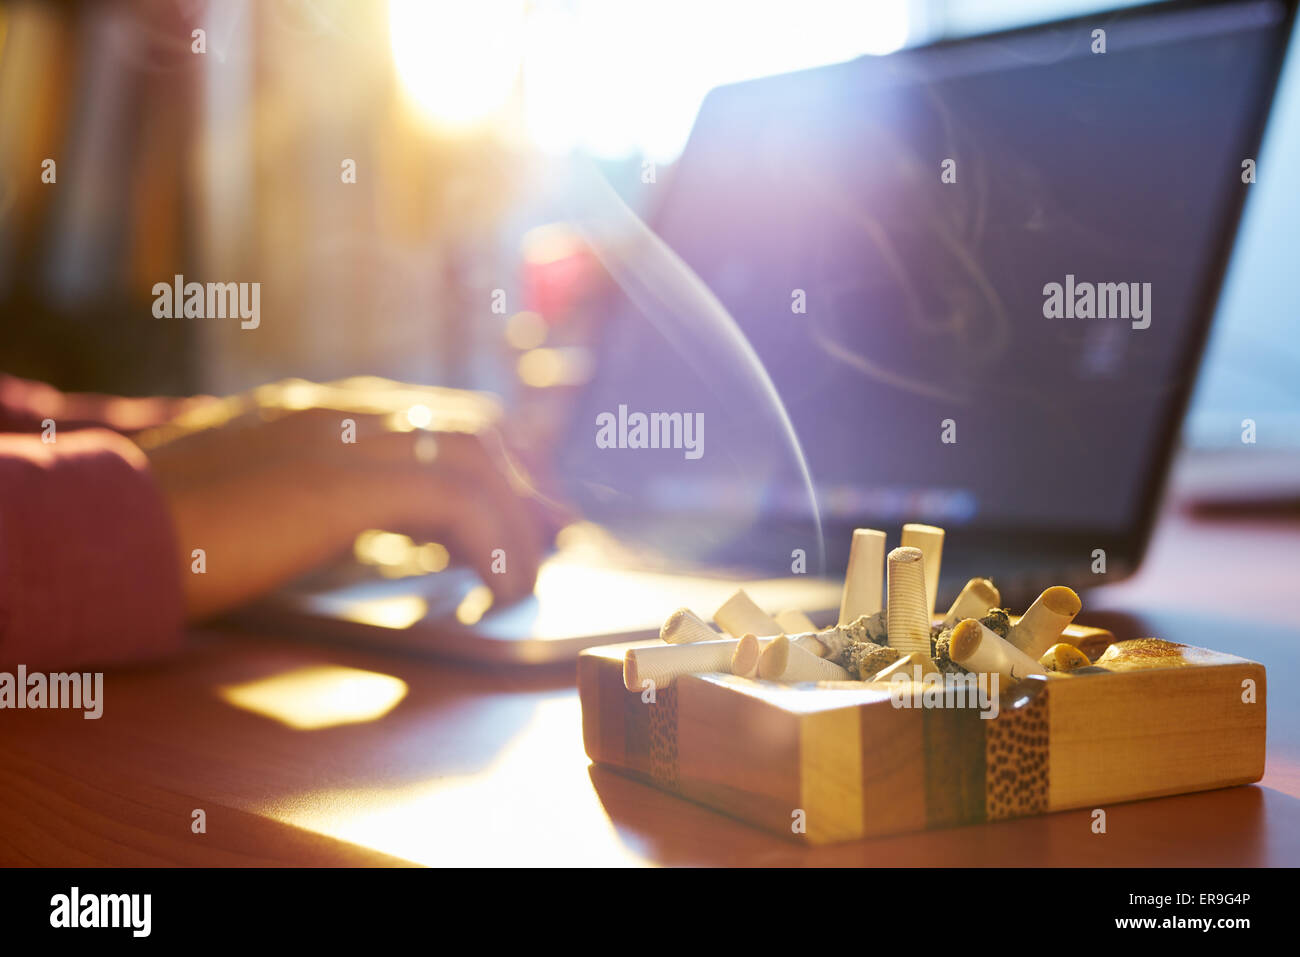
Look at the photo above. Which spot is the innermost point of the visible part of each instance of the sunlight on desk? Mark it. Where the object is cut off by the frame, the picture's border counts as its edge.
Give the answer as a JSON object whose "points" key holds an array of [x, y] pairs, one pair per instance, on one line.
{"points": [[488, 818], [318, 697]]}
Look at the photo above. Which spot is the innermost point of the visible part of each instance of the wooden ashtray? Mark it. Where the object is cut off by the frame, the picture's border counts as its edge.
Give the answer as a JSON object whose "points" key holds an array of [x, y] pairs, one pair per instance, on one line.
{"points": [[1177, 719]]}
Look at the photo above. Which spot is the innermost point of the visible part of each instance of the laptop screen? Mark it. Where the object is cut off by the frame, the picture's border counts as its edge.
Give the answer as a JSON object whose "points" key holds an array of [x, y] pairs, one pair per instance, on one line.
{"points": [[975, 275]]}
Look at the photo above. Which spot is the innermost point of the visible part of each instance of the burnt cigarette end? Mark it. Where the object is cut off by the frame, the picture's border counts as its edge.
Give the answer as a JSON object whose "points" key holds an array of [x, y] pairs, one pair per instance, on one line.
{"points": [[998, 622], [965, 640], [868, 659]]}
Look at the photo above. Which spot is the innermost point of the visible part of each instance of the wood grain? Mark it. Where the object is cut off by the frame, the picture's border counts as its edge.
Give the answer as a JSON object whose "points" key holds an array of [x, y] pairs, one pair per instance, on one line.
{"points": [[830, 775], [1142, 734]]}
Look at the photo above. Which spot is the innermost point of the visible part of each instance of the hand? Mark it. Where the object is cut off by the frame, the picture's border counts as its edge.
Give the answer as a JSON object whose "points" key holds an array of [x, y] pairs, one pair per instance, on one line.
{"points": [[266, 484]]}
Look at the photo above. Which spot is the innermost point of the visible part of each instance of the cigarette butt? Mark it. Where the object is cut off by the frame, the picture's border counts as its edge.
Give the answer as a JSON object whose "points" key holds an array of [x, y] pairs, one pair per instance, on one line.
{"points": [[978, 649], [976, 598], [773, 659], [664, 664], [929, 539], [744, 661], [810, 643], [739, 616], [1063, 656], [1040, 626], [866, 571], [684, 626], [783, 661], [907, 619], [909, 665], [794, 622]]}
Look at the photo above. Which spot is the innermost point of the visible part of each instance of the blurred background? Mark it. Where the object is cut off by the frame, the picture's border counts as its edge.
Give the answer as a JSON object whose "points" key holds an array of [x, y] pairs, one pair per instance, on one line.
{"points": [[444, 261]]}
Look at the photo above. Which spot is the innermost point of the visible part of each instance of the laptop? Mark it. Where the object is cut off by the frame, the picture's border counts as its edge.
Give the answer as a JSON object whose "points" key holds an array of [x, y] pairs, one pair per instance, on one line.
{"points": [[966, 284]]}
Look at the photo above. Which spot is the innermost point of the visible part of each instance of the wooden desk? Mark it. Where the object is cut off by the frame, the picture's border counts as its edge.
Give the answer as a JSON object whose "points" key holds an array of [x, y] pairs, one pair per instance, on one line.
{"points": [[486, 767]]}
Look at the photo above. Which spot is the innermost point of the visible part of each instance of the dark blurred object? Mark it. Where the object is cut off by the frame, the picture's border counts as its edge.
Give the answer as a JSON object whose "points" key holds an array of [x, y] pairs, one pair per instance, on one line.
{"points": [[278, 146], [1238, 481], [98, 110]]}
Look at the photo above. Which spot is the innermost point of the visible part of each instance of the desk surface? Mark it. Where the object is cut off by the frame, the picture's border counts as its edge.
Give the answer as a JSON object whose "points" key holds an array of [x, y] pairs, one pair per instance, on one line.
{"points": [[451, 765]]}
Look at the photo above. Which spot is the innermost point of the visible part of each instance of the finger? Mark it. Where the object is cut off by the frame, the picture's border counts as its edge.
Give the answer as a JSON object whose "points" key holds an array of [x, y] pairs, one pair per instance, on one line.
{"points": [[468, 459], [436, 506], [474, 529], [229, 431]]}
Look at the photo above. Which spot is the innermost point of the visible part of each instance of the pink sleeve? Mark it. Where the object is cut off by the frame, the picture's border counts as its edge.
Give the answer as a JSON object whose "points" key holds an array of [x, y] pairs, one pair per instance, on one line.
{"points": [[89, 568], [25, 405]]}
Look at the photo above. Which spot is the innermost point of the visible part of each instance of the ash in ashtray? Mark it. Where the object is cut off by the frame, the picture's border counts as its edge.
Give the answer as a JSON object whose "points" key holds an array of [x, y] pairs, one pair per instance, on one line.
{"points": [[871, 628], [869, 658], [999, 622]]}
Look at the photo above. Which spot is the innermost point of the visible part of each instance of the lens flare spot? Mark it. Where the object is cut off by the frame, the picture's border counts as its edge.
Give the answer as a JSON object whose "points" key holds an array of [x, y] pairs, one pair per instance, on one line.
{"points": [[474, 605], [432, 557], [458, 62], [420, 416], [546, 368], [375, 547], [526, 330]]}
